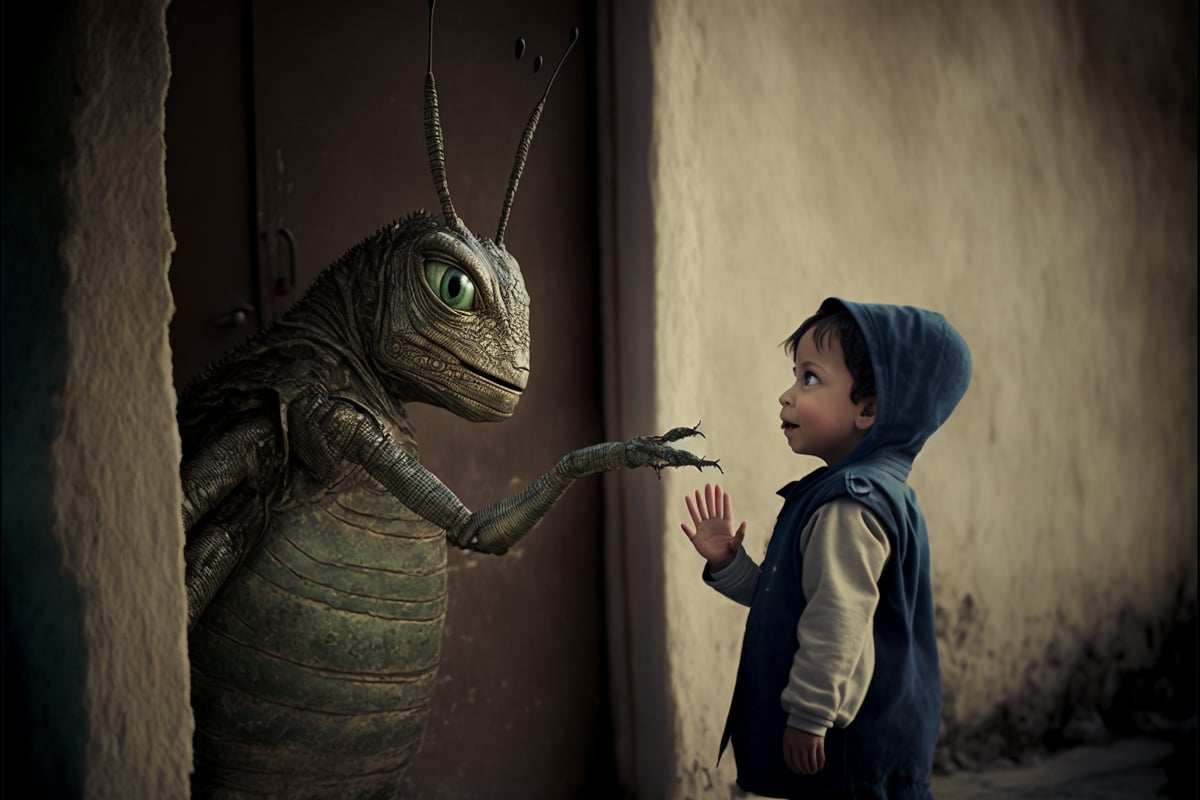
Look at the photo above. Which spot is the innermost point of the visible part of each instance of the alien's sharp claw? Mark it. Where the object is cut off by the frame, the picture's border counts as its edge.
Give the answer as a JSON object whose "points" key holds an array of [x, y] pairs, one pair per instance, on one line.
{"points": [[675, 434], [654, 452]]}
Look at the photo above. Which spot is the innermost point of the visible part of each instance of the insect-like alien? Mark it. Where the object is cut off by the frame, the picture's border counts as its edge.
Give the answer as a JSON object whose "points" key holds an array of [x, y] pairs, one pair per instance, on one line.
{"points": [[316, 542]]}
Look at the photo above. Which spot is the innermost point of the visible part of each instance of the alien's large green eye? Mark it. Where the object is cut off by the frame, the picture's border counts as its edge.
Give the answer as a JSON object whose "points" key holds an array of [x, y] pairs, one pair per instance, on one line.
{"points": [[452, 286]]}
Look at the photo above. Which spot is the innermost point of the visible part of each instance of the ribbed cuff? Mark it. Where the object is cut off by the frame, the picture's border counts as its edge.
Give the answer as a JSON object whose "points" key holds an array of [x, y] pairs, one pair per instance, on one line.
{"points": [[808, 724], [734, 573]]}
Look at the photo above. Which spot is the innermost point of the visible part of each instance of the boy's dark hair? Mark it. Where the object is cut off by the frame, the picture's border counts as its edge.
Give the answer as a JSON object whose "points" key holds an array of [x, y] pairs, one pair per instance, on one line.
{"points": [[835, 319]]}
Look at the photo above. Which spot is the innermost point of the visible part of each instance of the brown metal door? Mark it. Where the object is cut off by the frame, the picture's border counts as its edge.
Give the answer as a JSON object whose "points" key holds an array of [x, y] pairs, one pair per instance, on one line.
{"points": [[294, 130], [210, 184]]}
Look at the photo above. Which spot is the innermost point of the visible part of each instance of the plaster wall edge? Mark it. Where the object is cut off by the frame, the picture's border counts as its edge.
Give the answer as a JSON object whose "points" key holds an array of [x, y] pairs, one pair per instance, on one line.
{"points": [[116, 456]]}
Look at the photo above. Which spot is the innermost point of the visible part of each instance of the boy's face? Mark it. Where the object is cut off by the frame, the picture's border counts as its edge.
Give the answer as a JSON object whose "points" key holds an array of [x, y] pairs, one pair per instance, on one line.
{"points": [[818, 416]]}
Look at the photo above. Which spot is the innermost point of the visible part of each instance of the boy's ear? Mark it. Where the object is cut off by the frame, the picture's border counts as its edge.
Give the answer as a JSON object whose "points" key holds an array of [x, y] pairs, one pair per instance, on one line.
{"points": [[866, 414]]}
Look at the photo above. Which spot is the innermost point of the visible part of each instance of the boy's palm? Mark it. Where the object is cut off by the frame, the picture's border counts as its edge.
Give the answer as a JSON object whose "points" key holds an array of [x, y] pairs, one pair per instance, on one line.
{"points": [[711, 531]]}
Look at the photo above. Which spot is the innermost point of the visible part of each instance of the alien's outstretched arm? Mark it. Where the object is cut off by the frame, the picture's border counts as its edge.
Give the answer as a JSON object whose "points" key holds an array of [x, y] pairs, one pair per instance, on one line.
{"points": [[342, 429], [498, 526]]}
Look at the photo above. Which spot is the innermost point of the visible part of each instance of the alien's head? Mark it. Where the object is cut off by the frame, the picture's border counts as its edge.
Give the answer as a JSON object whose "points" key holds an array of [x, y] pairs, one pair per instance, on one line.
{"points": [[452, 324]]}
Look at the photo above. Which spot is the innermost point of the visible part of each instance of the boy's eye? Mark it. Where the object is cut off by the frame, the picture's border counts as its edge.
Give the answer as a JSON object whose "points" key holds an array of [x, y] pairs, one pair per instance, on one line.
{"points": [[810, 379]]}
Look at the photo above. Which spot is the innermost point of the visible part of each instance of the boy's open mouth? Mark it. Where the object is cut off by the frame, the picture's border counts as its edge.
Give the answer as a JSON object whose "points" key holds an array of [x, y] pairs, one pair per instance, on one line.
{"points": [[787, 426]]}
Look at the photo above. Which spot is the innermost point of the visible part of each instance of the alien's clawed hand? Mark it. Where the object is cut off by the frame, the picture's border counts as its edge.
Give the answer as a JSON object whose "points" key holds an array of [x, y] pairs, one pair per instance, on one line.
{"points": [[655, 452]]}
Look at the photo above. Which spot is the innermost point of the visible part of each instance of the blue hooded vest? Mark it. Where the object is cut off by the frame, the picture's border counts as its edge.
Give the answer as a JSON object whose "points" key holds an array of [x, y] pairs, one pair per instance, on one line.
{"points": [[922, 368]]}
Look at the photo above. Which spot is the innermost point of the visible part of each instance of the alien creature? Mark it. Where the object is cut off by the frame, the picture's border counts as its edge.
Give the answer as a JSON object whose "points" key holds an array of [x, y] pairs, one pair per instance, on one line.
{"points": [[316, 542]]}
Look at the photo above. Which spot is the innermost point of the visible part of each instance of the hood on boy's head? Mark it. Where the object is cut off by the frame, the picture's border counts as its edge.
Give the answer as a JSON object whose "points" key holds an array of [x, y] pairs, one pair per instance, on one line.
{"points": [[922, 368]]}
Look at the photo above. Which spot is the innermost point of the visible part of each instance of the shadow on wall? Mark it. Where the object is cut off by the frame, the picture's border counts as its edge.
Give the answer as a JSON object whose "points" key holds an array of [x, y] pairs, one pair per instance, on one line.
{"points": [[43, 646], [1140, 60]]}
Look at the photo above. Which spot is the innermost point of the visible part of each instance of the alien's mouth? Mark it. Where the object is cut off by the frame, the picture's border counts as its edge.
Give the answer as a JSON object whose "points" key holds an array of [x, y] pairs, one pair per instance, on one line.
{"points": [[492, 380]]}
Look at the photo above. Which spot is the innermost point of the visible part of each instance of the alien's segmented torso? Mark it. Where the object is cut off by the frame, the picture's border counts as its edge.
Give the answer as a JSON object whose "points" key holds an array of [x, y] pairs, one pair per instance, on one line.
{"points": [[313, 668]]}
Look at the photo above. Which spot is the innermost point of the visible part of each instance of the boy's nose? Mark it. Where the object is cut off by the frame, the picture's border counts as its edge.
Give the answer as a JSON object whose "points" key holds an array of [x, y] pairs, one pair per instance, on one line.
{"points": [[784, 400]]}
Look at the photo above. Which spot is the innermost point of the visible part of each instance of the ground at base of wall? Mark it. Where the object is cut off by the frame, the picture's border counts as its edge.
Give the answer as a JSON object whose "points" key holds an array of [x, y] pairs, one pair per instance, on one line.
{"points": [[1130, 769]]}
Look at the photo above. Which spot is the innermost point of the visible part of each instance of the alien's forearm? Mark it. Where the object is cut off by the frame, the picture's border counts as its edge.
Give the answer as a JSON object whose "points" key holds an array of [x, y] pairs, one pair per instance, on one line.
{"points": [[499, 526], [507, 520]]}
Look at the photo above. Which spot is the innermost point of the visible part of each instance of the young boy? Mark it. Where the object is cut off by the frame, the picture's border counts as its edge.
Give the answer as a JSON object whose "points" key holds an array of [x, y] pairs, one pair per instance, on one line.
{"points": [[838, 691]]}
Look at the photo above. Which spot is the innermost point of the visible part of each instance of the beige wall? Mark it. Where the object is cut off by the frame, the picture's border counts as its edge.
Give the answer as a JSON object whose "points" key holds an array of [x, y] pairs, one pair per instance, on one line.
{"points": [[1023, 168], [95, 653], [118, 450]]}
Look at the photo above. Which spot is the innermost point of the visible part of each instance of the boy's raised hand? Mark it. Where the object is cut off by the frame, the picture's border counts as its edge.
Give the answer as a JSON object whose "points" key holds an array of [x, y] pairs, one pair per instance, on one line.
{"points": [[711, 532]]}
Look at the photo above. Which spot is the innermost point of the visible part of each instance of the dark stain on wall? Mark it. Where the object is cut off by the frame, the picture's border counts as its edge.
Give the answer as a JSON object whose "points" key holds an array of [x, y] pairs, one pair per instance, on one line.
{"points": [[1139, 680]]}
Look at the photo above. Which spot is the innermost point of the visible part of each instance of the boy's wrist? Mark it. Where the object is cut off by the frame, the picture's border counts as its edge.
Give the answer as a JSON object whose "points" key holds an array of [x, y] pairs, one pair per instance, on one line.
{"points": [[716, 566]]}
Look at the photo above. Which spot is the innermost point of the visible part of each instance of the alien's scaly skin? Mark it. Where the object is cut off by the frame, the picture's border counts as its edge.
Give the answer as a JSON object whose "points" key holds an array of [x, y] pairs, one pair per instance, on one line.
{"points": [[316, 542]]}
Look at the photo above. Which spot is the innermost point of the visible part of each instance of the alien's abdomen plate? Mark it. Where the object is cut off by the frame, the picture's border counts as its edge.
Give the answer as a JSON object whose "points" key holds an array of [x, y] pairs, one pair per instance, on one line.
{"points": [[313, 669]]}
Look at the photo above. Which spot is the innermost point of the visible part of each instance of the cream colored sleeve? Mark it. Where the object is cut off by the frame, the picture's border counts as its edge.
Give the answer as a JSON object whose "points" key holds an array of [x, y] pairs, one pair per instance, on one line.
{"points": [[737, 580], [844, 548]]}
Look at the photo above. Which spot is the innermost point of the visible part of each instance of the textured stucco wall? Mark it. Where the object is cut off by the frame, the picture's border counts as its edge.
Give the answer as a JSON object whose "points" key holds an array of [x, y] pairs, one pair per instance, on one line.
{"points": [[95, 651], [1029, 170]]}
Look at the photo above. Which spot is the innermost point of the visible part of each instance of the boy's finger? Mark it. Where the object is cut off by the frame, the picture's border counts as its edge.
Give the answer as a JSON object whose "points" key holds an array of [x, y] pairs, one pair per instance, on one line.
{"points": [[726, 508], [708, 499], [687, 531], [696, 519], [791, 758]]}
